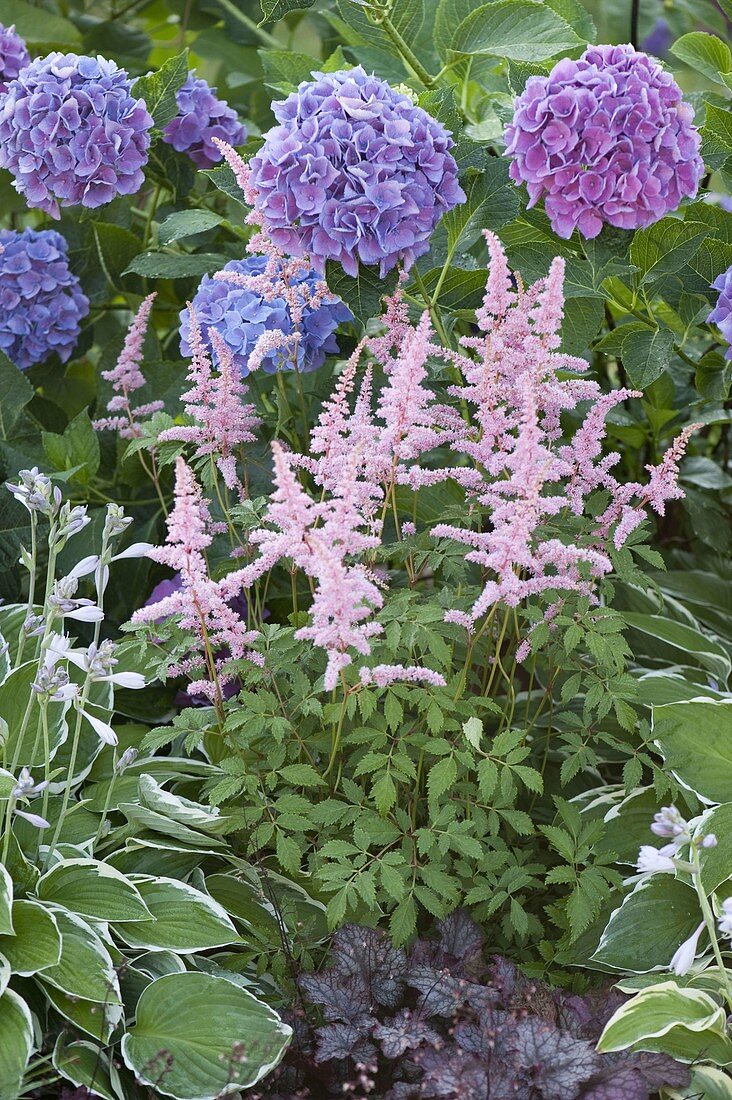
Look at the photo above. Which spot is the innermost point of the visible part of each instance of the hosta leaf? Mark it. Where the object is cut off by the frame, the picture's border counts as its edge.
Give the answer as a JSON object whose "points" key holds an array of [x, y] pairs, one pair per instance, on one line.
{"points": [[200, 1021], [36, 943], [650, 925], [685, 1023], [16, 1029], [84, 1064], [696, 741], [93, 889], [186, 920], [6, 902], [85, 968]]}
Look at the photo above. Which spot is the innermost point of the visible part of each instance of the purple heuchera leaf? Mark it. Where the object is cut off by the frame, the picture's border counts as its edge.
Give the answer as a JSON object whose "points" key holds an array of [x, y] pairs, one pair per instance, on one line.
{"points": [[369, 954], [41, 300], [201, 117], [721, 315], [72, 134], [354, 171], [606, 138], [14, 55], [240, 316]]}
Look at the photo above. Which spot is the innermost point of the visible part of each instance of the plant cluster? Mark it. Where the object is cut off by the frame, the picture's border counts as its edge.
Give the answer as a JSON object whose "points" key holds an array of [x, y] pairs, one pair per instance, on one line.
{"points": [[371, 605]]}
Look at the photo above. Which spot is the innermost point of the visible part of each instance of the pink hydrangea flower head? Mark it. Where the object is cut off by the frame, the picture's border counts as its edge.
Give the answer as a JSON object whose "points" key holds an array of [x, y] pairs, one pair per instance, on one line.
{"points": [[354, 171], [605, 139]]}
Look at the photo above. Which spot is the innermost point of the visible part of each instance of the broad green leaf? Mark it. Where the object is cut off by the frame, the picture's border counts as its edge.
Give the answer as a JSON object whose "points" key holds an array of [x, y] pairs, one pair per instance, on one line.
{"points": [[186, 223], [708, 654], [716, 863], [16, 1029], [199, 1020], [519, 30], [182, 265], [93, 889], [646, 354], [5, 974], [77, 449], [491, 201], [705, 53], [94, 1019], [192, 814], [696, 741], [707, 1083], [17, 392], [272, 10], [449, 15], [666, 246], [39, 26], [85, 968], [186, 920], [6, 902], [84, 1064], [116, 248], [159, 89], [362, 293], [15, 694], [685, 1023], [36, 942], [167, 826], [651, 924], [224, 179]]}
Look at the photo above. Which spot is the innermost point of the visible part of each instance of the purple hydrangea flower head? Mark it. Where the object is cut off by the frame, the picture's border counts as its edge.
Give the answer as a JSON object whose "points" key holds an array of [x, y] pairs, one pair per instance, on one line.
{"points": [[721, 315], [607, 138], [14, 55], [241, 315], [72, 133], [201, 117], [41, 300], [354, 171]]}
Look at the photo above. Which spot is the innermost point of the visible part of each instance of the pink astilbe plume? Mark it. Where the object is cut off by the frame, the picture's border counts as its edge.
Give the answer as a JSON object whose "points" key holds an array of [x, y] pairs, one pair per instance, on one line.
{"points": [[200, 603], [223, 420], [519, 472], [127, 377], [384, 675]]}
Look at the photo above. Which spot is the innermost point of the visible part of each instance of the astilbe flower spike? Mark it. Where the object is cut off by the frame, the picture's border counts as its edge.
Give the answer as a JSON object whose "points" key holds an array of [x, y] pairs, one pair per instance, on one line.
{"points": [[223, 421], [14, 56], [200, 603], [127, 377], [41, 300], [72, 133], [605, 139], [353, 171]]}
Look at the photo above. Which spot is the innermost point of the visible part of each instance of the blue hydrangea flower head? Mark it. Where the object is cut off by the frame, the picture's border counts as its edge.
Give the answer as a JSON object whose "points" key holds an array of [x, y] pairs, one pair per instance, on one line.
{"points": [[607, 138], [72, 133], [201, 117], [721, 315], [14, 55], [41, 300], [241, 316], [354, 171]]}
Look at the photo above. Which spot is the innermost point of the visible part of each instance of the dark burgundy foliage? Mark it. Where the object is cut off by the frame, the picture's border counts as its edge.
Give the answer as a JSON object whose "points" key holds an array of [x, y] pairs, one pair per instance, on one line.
{"points": [[438, 1022]]}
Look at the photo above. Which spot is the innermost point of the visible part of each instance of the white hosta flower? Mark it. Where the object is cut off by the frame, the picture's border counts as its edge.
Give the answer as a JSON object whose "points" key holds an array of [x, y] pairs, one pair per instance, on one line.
{"points": [[683, 959], [669, 823], [725, 920], [136, 550], [25, 788], [102, 729], [652, 860]]}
